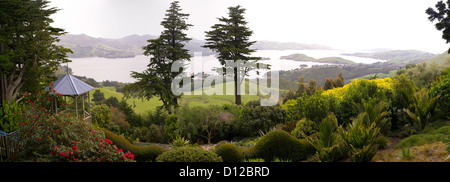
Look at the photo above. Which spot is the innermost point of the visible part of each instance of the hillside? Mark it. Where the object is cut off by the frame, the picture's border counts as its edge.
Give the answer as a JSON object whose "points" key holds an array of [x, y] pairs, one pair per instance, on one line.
{"points": [[399, 57], [86, 46], [332, 60]]}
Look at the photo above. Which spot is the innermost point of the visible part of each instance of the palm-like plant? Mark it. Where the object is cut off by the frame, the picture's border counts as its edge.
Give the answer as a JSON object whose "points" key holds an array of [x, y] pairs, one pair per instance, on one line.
{"points": [[327, 142], [421, 108], [377, 115], [360, 137]]}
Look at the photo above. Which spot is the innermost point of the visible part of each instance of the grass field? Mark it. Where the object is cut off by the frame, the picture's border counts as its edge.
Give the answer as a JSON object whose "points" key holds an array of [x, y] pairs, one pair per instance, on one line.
{"points": [[142, 106]]}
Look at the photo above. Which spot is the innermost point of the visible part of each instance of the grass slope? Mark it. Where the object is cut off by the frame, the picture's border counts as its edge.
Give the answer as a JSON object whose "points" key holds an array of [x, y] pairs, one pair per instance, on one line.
{"points": [[142, 106]]}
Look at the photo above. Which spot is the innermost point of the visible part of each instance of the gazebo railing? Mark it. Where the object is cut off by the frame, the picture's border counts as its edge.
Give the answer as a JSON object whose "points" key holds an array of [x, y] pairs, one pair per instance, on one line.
{"points": [[8, 145]]}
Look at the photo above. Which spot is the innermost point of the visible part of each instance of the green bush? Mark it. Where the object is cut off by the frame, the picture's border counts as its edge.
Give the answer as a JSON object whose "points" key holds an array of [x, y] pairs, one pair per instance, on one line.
{"points": [[188, 154], [256, 118], [304, 127], [10, 115], [280, 144], [441, 88], [142, 153], [101, 116], [170, 126], [230, 153]]}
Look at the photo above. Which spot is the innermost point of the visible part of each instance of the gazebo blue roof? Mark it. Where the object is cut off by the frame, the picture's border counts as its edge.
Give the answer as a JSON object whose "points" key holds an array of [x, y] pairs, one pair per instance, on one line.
{"points": [[70, 85]]}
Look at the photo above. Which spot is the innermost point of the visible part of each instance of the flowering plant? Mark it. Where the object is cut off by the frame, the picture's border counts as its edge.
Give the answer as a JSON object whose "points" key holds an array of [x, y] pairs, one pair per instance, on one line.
{"points": [[47, 136]]}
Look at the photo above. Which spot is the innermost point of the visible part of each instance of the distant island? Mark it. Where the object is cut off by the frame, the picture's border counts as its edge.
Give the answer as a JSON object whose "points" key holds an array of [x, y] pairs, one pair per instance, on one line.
{"points": [[331, 60], [130, 46]]}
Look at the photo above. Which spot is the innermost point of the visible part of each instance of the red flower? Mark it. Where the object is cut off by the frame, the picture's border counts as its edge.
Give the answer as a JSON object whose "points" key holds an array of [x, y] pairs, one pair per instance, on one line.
{"points": [[25, 95], [15, 112], [131, 156], [53, 153], [120, 150], [38, 92], [51, 84], [74, 147], [53, 119], [63, 154], [90, 129], [54, 90], [69, 115]]}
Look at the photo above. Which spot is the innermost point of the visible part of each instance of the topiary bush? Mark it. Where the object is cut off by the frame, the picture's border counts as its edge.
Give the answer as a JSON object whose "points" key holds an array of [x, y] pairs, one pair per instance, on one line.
{"points": [[280, 144], [188, 154], [230, 153], [142, 153]]}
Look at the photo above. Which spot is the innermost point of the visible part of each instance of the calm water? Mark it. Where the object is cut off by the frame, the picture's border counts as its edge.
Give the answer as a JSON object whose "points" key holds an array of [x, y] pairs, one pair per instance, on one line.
{"points": [[119, 69]]}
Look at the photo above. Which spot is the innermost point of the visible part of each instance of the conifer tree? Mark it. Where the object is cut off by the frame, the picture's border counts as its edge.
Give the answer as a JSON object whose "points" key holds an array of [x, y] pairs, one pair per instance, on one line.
{"points": [[230, 38], [164, 51]]}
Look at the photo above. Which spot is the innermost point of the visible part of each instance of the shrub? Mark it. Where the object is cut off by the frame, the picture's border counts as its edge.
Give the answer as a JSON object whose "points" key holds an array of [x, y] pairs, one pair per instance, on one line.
{"points": [[101, 115], [170, 126], [45, 136], [230, 153], [10, 116], [180, 142], [441, 88], [188, 154], [304, 127], [282, 145], [63, 138], [142, 153], [256, 118]]}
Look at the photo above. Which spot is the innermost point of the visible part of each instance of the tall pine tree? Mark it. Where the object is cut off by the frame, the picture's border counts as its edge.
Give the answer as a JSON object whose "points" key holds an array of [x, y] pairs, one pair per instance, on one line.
{"points": [[164, 51], [29, 55], [230, 38]]}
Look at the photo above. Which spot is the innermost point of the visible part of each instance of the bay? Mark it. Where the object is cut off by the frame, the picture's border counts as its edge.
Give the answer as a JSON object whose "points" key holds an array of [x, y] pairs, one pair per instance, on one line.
{"points": [[119, 69]]}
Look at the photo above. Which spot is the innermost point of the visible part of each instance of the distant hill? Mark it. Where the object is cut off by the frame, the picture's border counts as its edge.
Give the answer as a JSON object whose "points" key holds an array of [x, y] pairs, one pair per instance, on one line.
{"points": [[331, 60], [399, 57], [86, 46], [439, 59]]}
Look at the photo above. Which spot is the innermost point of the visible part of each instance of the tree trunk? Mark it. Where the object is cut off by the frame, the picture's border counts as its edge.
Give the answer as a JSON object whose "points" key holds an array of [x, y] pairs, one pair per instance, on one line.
{"points": [[237, 95]]}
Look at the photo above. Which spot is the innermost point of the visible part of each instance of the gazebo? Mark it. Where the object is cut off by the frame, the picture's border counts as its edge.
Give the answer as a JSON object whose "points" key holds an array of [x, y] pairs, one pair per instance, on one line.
{"points": [[68, 85]]}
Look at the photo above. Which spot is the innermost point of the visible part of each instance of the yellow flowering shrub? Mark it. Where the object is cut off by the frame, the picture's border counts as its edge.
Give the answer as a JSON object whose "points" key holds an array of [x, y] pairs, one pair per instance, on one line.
{"points": [[385, 83]]}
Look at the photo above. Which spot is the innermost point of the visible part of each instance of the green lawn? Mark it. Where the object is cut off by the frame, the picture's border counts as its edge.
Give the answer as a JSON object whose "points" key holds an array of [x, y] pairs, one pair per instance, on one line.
{"points": [[142, 106]]}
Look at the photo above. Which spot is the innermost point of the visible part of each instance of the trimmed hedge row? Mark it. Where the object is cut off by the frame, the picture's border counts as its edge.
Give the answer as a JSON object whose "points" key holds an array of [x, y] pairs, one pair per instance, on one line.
{"points": [[141, 153], [189, 154], [276, 144]]}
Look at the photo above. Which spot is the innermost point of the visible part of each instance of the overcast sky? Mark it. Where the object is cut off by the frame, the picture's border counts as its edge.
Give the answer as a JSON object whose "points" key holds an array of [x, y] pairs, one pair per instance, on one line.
{"points": [[341, 24]]}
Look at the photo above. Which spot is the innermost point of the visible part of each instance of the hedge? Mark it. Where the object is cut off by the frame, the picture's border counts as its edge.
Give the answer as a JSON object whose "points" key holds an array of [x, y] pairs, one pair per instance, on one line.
{"points": [[141, 153], [280, 144]]}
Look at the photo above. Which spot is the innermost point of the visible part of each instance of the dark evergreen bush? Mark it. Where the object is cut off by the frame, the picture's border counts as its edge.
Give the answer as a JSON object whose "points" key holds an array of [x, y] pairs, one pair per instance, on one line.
{"points": [[280, 144], [230, 153]]}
